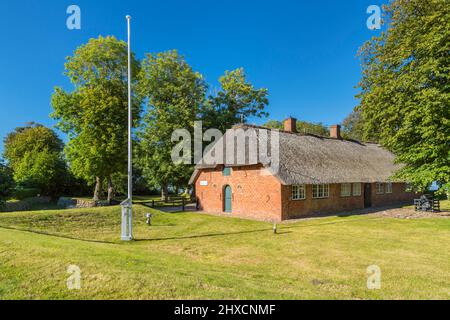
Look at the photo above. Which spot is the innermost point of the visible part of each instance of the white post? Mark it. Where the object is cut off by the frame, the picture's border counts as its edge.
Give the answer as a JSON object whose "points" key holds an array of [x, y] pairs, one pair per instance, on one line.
{"points": [[127, 205]]}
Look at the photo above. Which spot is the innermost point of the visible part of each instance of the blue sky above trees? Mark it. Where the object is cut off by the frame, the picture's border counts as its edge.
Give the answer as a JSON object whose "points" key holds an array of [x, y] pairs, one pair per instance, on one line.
{"points": [[304, 52]]}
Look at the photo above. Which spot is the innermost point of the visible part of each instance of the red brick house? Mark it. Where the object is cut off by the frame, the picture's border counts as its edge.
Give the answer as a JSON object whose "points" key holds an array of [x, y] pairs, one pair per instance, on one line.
{"points": [[316, 175]]}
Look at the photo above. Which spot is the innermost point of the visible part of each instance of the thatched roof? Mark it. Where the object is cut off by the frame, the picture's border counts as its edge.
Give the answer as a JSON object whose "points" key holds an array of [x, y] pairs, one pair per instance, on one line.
{"points": [[310, 159]]}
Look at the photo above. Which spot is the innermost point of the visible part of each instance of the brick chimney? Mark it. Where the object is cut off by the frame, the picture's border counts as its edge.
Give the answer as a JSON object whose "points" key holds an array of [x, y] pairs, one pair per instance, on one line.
{"points": [[335, 132], [290, 125]]}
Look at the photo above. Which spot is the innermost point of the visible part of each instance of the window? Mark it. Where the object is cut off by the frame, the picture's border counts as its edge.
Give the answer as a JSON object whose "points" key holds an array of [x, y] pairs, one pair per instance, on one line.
{"points": [[227, 172], [346, 190], [321, 191], [408, 187], [389, 187], [380, 188], [298, 192], [357, 189]]}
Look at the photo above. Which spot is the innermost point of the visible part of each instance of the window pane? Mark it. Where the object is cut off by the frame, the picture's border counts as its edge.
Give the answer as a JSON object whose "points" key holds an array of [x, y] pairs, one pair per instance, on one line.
{"points": [[389, 188], [227, 172], [321, 191], [380, 188], [346, 190], [298, 192], [357, 189]]}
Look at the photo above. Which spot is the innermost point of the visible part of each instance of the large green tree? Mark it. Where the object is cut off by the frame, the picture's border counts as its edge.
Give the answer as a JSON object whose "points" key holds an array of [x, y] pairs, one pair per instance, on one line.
{"points": [[6, 182], [353, 127], [34, 153], [405, 89], [236, 100], [174, 93], [95, 113]]}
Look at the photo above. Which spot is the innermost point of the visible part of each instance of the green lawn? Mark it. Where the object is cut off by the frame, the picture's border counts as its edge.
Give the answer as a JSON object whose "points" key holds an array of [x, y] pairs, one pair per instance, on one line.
{"points": [[193, 256], [445, 205]]}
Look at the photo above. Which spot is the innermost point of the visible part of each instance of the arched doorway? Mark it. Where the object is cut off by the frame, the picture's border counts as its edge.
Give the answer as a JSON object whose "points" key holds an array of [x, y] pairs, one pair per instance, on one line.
{"points": [[227, 199]]}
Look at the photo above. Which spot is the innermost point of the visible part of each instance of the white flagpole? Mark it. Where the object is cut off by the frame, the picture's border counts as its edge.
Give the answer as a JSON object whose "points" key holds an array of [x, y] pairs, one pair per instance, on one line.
{"points": [[127, 212]]}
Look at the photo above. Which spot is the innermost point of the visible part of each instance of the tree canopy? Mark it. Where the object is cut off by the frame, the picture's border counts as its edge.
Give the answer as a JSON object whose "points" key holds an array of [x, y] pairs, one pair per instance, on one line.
{"points": [[34, 153], [174, 94], [353, 127], [6, 182], [236, 98], [405, 89], [95, 113]]}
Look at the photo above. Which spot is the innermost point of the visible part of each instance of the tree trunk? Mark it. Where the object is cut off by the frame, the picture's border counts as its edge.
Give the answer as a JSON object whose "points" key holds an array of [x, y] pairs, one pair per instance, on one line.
{"points": [[192, 194], [110, 191], [98, 188], [164, 193]]}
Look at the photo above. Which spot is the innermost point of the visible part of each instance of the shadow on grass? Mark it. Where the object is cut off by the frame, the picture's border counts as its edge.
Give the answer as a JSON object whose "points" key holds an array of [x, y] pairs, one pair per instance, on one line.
{"points": [[331, 222], [350, 213], [281, 231], [210, 235], [42, 233]]}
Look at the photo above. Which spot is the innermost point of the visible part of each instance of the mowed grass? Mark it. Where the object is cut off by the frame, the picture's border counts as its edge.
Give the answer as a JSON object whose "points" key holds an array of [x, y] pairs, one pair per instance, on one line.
{"points": [[445, 205], [194, 256]]}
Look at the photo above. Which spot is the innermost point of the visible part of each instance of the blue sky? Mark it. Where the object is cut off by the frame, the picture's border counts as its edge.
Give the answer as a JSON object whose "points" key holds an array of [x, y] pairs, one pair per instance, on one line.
{"points": [[304, 52]]}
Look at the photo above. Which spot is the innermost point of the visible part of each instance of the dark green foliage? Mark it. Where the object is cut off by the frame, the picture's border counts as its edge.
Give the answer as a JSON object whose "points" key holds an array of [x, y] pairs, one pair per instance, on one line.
{"points": [[140, 185], [174, 94], [353, 127], [34, 153], [405, 89], [21, 193], [6, 182], [236, 100], [95, 113]]}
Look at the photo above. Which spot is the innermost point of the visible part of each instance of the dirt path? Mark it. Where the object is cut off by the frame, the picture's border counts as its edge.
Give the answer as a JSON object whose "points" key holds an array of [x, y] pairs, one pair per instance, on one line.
{"points": [[408, 213]]}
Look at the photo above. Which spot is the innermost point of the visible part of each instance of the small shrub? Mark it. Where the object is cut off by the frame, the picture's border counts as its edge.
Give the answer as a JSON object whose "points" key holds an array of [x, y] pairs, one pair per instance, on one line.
{"points": [[24, 193], [6, 183]]}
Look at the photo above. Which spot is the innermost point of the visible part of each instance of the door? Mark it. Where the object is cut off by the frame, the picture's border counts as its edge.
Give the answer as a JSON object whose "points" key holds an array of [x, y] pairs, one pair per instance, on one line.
{"points": [[228, 199], [367, 195]]}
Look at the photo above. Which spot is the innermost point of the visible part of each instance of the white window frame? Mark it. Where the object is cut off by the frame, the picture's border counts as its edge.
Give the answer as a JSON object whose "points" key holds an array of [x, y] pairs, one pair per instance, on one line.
{"points": [[380, 188], [389, 188], [357, 189], [321, 191], [299, 192], [346, 190]]}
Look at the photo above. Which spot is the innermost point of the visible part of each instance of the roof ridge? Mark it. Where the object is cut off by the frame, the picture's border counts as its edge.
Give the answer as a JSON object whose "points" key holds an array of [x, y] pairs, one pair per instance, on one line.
{"points": [[246, 125]]}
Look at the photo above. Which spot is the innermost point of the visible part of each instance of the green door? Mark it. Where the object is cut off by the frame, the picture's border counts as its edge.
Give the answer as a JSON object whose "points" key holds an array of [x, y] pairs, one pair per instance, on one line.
{"points": [[228, 197]]}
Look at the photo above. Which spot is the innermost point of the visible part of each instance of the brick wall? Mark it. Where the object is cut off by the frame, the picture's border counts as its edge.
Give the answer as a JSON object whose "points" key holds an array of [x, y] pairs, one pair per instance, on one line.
{"points": [[256, 194], [335, 203], [260, 196], [398, 195]]}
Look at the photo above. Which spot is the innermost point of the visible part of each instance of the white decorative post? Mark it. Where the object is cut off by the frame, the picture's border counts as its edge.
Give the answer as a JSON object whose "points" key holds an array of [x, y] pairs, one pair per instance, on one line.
{"points": [[127, 205]]}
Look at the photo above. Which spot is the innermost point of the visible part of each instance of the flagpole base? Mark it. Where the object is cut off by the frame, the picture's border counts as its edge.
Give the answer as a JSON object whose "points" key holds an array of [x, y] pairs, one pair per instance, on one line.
{"points": [[127, 220]]}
